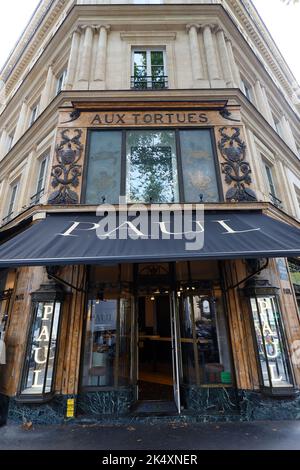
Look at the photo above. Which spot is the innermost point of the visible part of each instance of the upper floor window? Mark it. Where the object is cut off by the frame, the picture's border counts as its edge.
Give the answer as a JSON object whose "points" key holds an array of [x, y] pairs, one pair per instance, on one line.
{"points": [[297, 190], [247, 90], [153, 166], [34, 114], [61, 82], [12, 202], [271, 185], [41, 181], [277, 126], [10, 139], [149, 69]]}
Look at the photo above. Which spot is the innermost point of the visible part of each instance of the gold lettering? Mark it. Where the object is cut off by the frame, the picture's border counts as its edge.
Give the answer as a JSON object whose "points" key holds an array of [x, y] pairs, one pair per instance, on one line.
{"points": [[136, 117], [44, 334], [36, 374], [203, 118], [48, 310], [36, 355], [96, 120]]}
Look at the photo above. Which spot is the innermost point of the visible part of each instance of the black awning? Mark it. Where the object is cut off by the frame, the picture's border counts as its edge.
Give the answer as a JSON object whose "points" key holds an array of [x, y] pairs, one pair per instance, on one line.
{"points": [[62, 239]]}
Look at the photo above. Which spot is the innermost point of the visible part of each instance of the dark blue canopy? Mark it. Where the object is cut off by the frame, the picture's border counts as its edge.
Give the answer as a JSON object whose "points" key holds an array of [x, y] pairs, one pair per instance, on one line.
{"points": [[62, 239]]}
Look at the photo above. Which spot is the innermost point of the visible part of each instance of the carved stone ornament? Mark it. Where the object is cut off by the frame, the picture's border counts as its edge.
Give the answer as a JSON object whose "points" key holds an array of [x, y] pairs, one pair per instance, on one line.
{"points": [[74, 115], [237, 171], [65, 174]]}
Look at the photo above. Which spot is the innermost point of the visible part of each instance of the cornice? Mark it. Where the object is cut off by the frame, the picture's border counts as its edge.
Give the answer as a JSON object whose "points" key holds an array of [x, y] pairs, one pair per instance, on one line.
{"points": [[262, 39], [31, 40]]}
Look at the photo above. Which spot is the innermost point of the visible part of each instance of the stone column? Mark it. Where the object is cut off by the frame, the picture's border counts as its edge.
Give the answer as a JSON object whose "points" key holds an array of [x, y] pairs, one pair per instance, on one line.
{"points": [[86, 56], [3, 142], [46, 93], [197, 67], [212, 64], [283, 183], [224, 57], [256, 165], [73, 59], [233, 66], [29, 180], [21, 122], [101, 57]]}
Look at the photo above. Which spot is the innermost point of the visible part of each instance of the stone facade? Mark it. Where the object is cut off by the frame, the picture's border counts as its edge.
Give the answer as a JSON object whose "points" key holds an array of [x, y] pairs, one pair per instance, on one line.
{"points": [[224, 73]]}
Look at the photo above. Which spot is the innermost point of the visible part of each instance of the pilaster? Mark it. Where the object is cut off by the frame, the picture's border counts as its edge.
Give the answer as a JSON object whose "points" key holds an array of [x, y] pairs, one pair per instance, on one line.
{"points": [[73, 59], [99, 81]]}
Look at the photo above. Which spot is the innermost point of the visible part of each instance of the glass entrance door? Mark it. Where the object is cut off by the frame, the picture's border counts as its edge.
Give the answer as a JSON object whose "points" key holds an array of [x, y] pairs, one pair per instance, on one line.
{"points": [[155, 341], [176, 352]]}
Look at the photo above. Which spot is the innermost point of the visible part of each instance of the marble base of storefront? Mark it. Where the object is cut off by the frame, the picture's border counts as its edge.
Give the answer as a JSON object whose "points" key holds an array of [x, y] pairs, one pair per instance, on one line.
{"points": [[201, 405], [4, 401]]}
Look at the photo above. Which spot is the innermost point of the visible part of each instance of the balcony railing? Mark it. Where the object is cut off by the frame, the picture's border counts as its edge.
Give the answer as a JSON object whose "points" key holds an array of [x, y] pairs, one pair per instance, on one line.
{"points": [[274, 200], [35, 199], [149, 83]]}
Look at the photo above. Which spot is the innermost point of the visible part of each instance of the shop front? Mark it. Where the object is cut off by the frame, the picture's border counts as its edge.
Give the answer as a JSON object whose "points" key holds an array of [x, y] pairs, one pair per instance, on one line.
{"points": [[175, 299], [162, 335], [201, 337]]}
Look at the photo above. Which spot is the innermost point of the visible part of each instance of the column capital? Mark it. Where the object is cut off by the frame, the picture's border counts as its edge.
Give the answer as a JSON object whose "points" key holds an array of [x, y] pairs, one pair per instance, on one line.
{"points": [[211, 26], [219, 29], [192, 25], [260, 83], [85, 27], [98, 27], [76, 30]]}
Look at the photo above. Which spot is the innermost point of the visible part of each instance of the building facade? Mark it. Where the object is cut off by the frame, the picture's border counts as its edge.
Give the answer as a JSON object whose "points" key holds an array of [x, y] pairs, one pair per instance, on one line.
{"points": [[149, 107]]}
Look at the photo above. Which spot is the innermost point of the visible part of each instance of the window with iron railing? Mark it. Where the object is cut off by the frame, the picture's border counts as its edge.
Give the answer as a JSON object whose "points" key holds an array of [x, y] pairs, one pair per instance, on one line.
{"points": [[271, 186], [12, 203], [149, 69], [274, 200], [35, 199]]}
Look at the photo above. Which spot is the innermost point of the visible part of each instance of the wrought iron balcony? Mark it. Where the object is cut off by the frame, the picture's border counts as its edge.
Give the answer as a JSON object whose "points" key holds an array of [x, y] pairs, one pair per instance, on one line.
{"points": [[35, 199], [275, 201], [149, 83]]}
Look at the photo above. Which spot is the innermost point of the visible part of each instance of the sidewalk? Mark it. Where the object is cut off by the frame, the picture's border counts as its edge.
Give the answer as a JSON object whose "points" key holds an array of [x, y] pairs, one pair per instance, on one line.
{"points": [[283, 435]]}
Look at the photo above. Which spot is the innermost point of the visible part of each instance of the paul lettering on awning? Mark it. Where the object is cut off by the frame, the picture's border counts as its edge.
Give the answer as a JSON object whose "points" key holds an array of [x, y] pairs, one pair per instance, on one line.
{"points": [[135, 229]]}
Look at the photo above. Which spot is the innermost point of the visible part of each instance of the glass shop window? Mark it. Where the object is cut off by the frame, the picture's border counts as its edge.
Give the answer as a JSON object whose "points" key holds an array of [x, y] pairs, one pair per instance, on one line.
{"points": [[107, 343], [198, 166], [103, 182], [204, 342], [151, 167], [41, 352], [5, 297], [272, 353]]}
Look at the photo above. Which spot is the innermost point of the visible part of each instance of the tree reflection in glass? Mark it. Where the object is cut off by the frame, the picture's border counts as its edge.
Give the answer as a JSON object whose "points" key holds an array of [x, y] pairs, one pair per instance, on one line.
{"points": [[152, 167]]}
